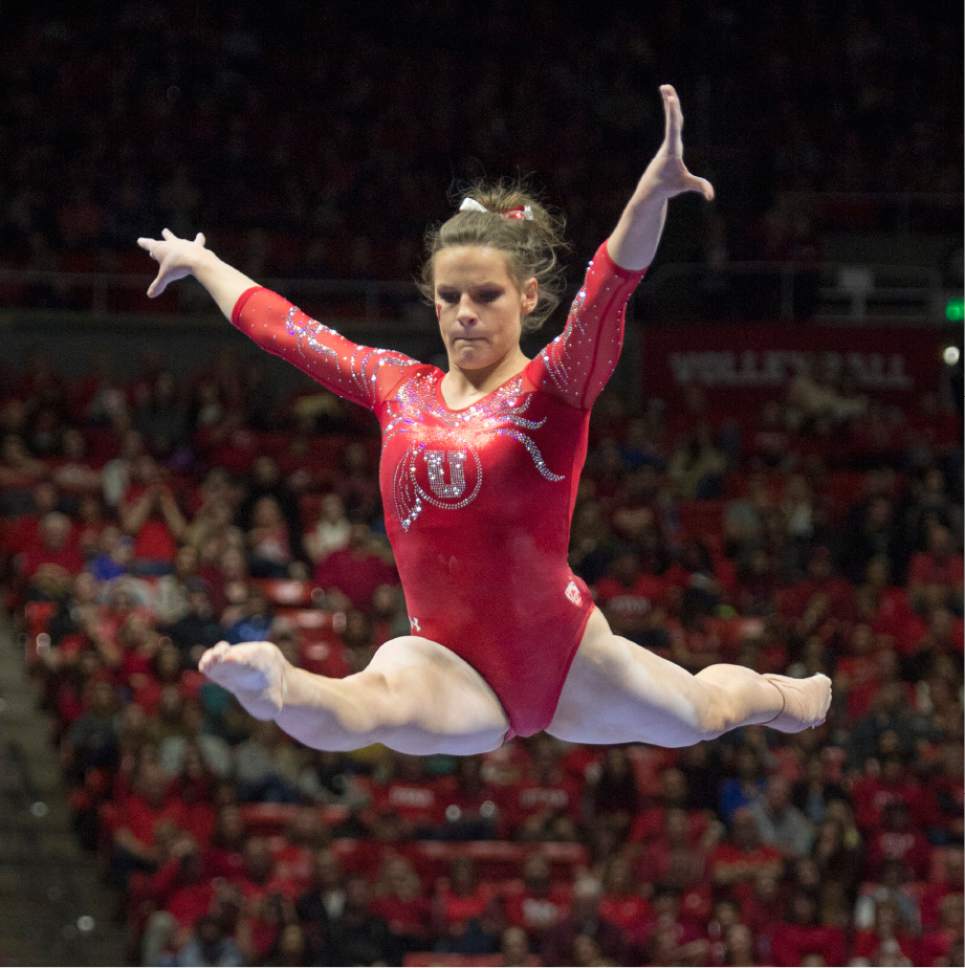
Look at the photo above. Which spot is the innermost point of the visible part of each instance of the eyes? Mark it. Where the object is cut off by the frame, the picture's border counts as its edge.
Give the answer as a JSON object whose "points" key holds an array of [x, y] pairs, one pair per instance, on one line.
{"points": [[485, 295]]}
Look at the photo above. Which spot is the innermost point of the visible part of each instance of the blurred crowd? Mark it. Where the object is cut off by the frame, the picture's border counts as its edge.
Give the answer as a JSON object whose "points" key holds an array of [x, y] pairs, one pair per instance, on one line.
{"points": [[144, 520], [318, 142]]}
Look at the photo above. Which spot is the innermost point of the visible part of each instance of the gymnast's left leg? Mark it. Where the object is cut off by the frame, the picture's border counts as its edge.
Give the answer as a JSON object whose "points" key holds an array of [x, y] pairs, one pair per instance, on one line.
{"points": [[618, 692]]}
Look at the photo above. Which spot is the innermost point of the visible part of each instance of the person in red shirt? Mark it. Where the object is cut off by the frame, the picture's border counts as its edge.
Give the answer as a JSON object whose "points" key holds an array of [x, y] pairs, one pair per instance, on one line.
{"points": [[792, 941], [626, 899], [886, 782], [545, 803], [627, 593], [182, 886], [23, 532], [675, 859], [140, 819], [150, 513], [462, 902], [539, 903], [940, 565], [649, 824], [891, 941], [411, 797], [356, 570], [897, 840], [585, 919], [398, 899], [943, 944], [479, 475], [742, 857], [56, 556]]}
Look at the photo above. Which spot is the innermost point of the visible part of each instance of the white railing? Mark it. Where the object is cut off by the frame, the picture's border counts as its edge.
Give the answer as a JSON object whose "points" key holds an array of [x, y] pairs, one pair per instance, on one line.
{"points": [[832, 290], [108, 293]]}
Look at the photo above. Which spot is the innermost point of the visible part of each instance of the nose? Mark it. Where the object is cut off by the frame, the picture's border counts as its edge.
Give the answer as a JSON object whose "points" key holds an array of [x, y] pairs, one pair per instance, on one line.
{"points": [[467, 311]]}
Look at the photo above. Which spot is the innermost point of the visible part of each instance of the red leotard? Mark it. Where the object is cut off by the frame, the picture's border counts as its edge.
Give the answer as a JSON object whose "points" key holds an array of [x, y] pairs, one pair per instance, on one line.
{"points": [[478, 502]]}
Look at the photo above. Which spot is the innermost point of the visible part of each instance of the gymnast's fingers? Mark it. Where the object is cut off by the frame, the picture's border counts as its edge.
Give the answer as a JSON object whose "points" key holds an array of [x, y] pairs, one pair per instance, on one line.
{"points": [[149, 246], [698, 184], [157, 286], [200, 239], [674, 121]]}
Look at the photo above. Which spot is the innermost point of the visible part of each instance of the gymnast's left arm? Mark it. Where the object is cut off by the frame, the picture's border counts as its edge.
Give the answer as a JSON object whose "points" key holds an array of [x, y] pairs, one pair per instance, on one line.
{"points": [[633, 243], [578, 363]]}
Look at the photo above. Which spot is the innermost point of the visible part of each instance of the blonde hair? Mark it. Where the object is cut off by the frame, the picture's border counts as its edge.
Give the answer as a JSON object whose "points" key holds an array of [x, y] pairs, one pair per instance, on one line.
{"points": [[532, 245]]}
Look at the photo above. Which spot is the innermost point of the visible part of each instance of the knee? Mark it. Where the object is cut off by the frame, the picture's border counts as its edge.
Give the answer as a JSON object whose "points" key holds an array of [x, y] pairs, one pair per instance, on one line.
{"points": [[371, 708], [714, 713]]}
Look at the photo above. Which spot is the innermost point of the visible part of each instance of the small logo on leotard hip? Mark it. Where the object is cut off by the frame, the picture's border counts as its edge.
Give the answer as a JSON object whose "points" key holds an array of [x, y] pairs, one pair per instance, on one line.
{"points": [[573, 593], [414, 625]]}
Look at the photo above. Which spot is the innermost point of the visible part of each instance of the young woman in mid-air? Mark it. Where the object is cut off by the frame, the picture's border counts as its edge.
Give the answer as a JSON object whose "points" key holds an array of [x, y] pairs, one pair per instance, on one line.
{"points": [[478, 475]]}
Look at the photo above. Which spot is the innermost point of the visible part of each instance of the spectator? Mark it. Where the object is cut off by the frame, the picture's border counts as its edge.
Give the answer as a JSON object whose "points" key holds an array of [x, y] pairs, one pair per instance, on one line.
{"points": [[742, 857], [792, 941], [746, 787], [399, 901], [267, 766], [561, 942], [540, 905], [331, 531], [269, 549], [209, 946], [890, 939], [150, 514], [171, 593], [356, 935], [514, 948], [613, 794], [464, 909], [50, 564], [780, 823], [357, 569]]}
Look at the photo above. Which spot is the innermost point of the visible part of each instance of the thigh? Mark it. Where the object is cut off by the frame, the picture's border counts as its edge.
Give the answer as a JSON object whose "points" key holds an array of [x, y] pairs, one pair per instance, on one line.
{"points": [[619, 692], [435, 702]]}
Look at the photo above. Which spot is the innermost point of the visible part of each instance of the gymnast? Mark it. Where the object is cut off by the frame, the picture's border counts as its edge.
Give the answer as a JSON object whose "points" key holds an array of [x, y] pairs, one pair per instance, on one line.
{"points": [[478, 475]]}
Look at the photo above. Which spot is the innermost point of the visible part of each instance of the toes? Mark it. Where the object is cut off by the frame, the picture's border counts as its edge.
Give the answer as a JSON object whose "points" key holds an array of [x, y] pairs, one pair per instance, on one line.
{"points": [[213, 656]]}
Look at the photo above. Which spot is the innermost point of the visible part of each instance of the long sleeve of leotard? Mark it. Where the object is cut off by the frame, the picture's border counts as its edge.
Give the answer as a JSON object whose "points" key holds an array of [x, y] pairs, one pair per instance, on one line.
{"points": [[361, 374], [577, 364]]}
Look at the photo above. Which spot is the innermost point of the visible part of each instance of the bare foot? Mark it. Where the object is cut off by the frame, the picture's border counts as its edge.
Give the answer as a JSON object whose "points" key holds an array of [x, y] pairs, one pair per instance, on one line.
{"points": [[806, 702], [253, 671]]}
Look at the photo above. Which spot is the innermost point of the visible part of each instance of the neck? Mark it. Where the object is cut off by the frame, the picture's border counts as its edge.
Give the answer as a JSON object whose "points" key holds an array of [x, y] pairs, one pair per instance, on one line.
{"points": [[462, 381]]}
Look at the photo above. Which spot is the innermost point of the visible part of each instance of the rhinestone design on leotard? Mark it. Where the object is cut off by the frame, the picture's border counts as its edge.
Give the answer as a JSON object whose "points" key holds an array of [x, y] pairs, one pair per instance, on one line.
{"points": [[359, 376], [555, 365], [578, 363], [462, 432]]}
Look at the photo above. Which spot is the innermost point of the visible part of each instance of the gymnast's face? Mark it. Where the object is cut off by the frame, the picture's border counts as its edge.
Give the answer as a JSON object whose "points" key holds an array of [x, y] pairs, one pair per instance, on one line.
{"points": [[479, 305]]}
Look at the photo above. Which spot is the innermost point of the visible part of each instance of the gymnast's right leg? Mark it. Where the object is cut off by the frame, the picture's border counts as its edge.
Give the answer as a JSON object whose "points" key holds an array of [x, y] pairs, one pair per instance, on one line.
{"points": [[415, 696]]}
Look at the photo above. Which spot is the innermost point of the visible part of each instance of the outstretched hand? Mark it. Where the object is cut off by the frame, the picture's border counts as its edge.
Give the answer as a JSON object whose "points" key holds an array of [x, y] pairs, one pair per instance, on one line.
{"points": [[667, 175], [177, 258]]}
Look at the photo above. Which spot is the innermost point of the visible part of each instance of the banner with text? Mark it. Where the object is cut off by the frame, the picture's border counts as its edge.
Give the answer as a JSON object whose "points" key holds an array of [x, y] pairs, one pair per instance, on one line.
{"points": [[739, 366]]}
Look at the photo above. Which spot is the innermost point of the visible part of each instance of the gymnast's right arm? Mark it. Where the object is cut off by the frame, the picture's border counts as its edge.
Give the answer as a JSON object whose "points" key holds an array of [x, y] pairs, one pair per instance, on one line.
{"points": [[358, 373]]}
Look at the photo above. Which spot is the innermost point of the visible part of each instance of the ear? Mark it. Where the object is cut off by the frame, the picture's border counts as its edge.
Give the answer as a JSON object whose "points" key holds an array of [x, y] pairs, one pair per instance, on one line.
{"points": [[530, 295]]}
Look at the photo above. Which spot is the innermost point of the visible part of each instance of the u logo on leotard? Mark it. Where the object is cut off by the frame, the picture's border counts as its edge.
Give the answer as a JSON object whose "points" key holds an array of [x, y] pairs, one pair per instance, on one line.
{"points": [[437, 476]]}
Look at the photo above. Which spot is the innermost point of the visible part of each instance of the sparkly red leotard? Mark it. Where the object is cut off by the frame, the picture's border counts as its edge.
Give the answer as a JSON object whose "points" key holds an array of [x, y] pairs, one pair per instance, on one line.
{"points": [[478, 501]]}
